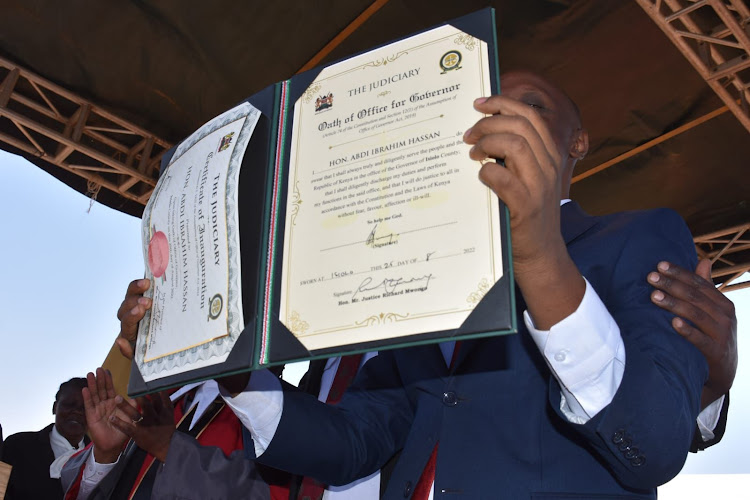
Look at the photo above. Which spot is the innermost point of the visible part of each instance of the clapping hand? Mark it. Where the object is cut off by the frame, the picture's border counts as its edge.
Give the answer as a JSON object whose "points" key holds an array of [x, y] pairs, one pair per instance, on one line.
{"points": [[101, 405], [152, 427]]}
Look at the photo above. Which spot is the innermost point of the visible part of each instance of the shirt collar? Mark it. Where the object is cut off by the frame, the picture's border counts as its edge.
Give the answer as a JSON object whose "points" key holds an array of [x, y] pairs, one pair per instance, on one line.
{"points": [[59, 444], [207, 392]]}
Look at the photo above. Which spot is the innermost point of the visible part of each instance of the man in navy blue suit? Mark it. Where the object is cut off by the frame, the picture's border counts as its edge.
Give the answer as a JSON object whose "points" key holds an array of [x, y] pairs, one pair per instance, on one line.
{"points": [[595, 397]]}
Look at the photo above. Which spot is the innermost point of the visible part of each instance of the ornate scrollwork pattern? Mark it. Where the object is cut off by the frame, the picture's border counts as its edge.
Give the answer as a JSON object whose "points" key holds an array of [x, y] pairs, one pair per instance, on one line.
{"points": [[475, 297], [384, 93], [310, 93], [467, 41], [382, 318], [296, 202], [385, 60], [297, 326]]}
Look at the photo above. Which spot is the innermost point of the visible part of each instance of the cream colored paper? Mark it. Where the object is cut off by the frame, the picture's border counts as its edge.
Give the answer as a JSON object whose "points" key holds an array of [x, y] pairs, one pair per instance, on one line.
{"points": [[191, 249], [388, 230]]}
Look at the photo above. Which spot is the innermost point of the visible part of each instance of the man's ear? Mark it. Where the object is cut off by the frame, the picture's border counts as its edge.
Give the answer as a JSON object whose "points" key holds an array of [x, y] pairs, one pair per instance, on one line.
{"points": [[54, 408], [579, 148]]}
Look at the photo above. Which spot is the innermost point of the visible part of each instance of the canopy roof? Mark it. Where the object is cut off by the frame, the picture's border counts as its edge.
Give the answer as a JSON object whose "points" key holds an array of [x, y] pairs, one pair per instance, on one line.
{"points": [[169, 66]]}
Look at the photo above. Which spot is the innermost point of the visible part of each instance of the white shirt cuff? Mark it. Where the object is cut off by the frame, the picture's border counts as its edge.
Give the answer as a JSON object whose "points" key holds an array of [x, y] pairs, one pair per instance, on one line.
{"points": [[95, 468], [709, 418], [258, 407], [586, 354], [93, 473]]}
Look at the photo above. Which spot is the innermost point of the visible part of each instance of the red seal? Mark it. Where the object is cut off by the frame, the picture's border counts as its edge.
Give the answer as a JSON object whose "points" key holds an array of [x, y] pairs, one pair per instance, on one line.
{"points": [[158, 254]]}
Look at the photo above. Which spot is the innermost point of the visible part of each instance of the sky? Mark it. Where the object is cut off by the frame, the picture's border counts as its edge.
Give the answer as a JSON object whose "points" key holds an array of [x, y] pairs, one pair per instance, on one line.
{"points": [[64, 273]]}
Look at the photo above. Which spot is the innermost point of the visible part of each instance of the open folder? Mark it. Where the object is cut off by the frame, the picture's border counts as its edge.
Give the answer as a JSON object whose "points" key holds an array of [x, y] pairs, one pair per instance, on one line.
{"points": [[336, 212]]}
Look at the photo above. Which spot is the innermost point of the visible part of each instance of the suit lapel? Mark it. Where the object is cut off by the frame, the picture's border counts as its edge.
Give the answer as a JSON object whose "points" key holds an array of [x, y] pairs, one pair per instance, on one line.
{"points": [[574, 221], [434, 361], [465, 348], [311, 381], [46, 444], [424, 362]]}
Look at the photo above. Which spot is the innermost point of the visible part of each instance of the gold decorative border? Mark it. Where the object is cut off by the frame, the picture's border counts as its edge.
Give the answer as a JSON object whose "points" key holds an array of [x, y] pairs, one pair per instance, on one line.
{"points": [[382, 318], [308, 94], [467, 41], [385, 60], [475, 297], [392, 58], [296, 325], [296, 201]]}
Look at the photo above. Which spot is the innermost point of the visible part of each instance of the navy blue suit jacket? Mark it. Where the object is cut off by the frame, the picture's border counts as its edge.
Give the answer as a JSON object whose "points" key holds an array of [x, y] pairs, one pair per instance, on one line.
{"points": [[496, 414]]}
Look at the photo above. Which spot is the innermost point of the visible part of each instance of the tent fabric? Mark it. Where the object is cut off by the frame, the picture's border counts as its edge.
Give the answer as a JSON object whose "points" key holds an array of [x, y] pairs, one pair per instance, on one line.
{"points": [[170, 65]]}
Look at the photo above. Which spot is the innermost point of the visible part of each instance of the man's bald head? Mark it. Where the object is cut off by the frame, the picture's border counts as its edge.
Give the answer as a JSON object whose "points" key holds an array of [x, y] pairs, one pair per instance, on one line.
{"points": [[560, 113]]}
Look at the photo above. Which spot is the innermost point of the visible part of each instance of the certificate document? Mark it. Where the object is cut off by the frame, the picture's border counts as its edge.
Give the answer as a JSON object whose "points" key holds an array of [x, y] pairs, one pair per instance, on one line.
{"points": [[191, 249], [331, 213], [388, 231]]}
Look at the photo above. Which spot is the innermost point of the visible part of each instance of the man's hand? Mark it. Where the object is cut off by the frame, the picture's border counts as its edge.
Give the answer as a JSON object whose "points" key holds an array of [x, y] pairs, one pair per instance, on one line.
{"points": [[530, 185], [131, 311], [101, 404], [693, 298], [151, 428]]}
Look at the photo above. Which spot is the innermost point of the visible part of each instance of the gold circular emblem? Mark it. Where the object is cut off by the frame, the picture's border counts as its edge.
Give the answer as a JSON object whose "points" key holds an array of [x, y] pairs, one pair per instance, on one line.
{"points": [[450, 60], [215, 306]]}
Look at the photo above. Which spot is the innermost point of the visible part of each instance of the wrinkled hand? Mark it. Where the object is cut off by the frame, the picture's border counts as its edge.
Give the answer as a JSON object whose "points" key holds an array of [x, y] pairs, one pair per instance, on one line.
{"points": [[151, 428], [693, 298], [530, 184], [131, 311], [101, 404]]}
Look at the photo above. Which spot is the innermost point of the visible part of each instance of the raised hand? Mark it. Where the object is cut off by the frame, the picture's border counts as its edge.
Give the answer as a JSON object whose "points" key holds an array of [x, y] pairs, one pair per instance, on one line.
{"points": [[101, 404], [704, 316], [533, 130], [529, 183], [151, 428], [131, 311]]}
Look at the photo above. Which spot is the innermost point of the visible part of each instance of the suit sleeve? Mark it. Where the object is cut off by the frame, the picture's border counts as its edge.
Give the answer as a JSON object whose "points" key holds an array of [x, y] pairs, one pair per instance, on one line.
{"points": [[338, 444], [194, 471], [644, 434]]}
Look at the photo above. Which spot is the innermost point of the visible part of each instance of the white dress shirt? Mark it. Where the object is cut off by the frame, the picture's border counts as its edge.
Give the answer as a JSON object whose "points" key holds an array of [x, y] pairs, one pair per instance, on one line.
{"points": [[62, 449], [587, 356], [585, 353]]}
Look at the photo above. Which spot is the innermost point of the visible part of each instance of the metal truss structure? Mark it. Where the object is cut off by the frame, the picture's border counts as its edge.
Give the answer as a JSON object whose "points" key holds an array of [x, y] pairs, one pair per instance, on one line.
{"points": [[730, 254], [56, 125], [66, 130], [713, 36]]}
